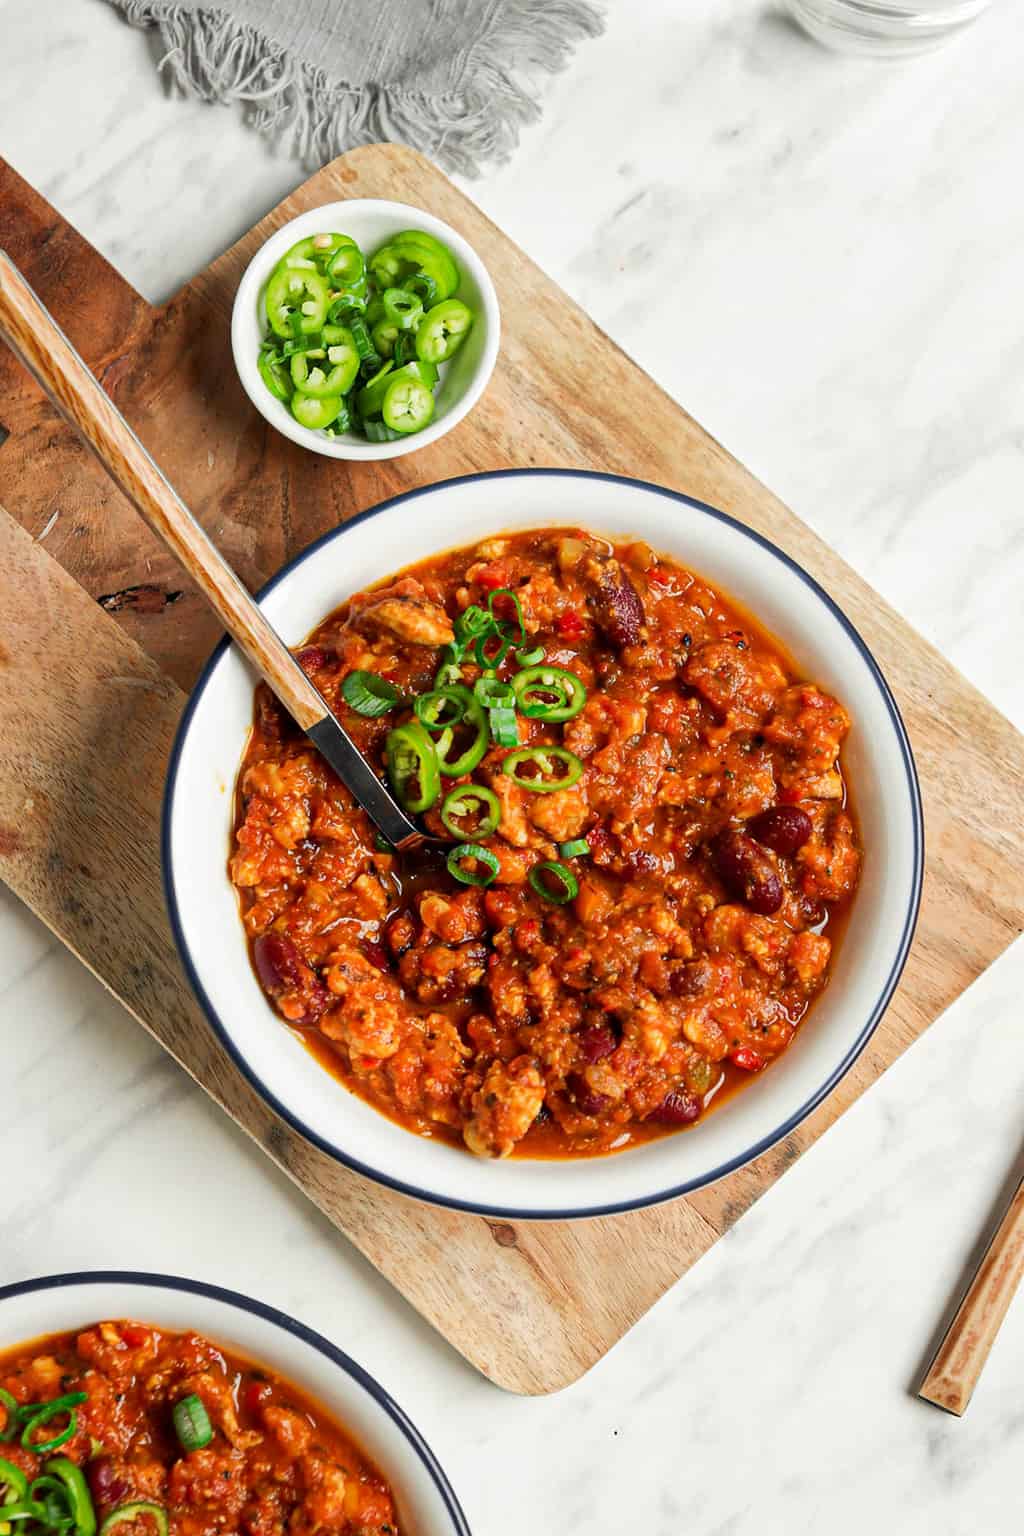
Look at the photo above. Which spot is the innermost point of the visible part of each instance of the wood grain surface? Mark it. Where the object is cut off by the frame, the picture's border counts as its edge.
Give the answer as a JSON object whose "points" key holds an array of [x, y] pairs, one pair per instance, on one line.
{"points": [[531, 1306]]}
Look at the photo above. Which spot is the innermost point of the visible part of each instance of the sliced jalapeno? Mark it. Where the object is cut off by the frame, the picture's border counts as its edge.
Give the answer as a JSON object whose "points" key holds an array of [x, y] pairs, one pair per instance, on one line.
{"points": [[370, 399], [310, 376], [413, 766], [549, 693], [485, 862], [405, 256], [408, 404], [443, 330], [316, 412], [275, 375], [471, 811], [299, 293], [315, 250], [543, 763], [460, 747]]}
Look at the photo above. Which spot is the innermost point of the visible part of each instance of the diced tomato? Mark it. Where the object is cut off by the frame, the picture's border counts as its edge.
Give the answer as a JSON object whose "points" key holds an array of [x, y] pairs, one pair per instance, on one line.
{"points": [[134, 1335], [569, 625], [746, 1059], [491, 577], [254, 1395], [656, 577]]}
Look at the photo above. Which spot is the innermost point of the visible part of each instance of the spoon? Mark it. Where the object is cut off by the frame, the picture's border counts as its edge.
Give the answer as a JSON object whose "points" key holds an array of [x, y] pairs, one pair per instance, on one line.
{"points": [[38, 342]]}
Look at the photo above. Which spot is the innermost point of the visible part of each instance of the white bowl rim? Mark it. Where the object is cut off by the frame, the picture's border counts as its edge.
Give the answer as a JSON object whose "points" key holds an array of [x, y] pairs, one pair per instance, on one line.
{"points": [[739, 1159], [277, 1319], [256, 273]]}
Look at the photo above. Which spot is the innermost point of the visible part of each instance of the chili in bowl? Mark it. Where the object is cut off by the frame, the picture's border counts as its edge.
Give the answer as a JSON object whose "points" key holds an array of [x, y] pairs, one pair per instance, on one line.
{"points": [[150, 1406], [634, 718]]}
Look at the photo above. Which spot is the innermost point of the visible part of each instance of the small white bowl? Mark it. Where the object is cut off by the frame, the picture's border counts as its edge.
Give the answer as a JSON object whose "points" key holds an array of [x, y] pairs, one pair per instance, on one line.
{"points": [[426, 1502], [370, 221], [204, 909]]}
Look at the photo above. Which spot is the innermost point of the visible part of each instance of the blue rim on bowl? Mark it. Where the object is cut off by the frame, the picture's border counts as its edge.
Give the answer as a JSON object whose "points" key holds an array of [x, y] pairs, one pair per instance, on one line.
{"points": [[281, 1320], [886, 990]]}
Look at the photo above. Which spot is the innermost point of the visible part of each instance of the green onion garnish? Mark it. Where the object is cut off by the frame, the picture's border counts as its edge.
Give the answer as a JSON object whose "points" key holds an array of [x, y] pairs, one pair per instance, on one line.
{"points": [[566, 884], [575, 849], [480, 855], [369, 694], [192, 1422]]}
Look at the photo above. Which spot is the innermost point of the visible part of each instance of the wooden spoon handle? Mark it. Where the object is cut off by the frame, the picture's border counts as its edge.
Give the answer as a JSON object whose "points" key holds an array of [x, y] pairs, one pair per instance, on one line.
{"points": [[35, 337], [953, 1374]]}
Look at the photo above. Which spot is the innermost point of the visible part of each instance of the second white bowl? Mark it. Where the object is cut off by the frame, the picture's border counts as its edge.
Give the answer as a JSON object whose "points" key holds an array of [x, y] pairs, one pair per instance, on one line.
{"points": [[371, 222]]}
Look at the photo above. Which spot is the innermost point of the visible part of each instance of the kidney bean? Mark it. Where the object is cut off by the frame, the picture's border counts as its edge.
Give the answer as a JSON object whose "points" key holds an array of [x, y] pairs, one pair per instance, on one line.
{"points": [[746, 1059], [596, 1043], [691, 979], [105, 1485], [783, 828], [312, 658], [587, 1101], [748, 873], [280, 968], [378, 956], [617, 608], [677, 1108]]}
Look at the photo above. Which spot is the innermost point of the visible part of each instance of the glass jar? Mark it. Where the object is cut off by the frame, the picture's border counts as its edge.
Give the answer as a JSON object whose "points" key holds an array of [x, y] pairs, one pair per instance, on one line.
{"points": [[885, 28]]}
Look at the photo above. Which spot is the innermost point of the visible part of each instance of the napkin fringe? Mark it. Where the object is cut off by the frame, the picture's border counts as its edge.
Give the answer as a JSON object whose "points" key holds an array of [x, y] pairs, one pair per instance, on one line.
{"points": [[209, 55]]}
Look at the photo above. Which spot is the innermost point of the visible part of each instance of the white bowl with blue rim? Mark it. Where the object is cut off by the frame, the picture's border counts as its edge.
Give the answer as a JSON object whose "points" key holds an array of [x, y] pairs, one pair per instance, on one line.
{"points": [[867, 963], [425, 1500], [371, 222]]}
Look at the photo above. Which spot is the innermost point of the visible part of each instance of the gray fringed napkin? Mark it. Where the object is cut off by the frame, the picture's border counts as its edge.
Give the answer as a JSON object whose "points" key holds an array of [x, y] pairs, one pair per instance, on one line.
{"points": [[449, 77]]}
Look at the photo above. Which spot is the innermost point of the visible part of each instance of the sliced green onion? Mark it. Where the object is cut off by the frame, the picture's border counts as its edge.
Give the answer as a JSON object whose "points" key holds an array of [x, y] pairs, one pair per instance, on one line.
{"points": [[381, 843], [42, 1414], [490, 658], [507, 593], [482, 856], [491, 691], [477, 802], [544, 760], [369, 694], [566, 887], [405, 348], [192, 1422], [9, 1403], [530, 658], [378, 432], [574, 849], [136, 1511], [361, 339], [471, 623], [503, 727], [449, 672], [24, 1509]]}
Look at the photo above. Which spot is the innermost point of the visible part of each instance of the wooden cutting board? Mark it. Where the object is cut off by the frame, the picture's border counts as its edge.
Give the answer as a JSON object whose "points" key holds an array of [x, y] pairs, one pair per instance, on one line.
{"points": [[532, 1306]]}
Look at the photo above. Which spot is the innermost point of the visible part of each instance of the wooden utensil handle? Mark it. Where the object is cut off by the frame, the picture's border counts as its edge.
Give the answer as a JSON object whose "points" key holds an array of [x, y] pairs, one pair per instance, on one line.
{"points": [[953, 1374], [34, 337]]}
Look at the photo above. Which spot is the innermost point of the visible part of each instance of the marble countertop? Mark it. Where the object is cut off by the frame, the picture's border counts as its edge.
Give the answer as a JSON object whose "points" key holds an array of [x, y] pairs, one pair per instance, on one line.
{"points": [[819, 258]]}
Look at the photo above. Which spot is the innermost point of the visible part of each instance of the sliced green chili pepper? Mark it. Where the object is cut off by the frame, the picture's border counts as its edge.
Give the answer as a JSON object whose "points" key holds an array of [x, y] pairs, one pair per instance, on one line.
{"points": [[23, 1509], [408, 404], [346, 268], [370, 398], [275, 376], [574, 849], [192, 1422], [483, 856], [549, 693], [413, 766], [402, 308], [339, 378], [405, 256], [136, 1511], [530, 658], [77, 1493], [483, 650], [423, 285], [491, 692], [315, 412], [296, 294], [478, 803], [405, 348], [466, 760], [42, 1413], [12, 1478], [443, 331], [9, 1403], [53, 1496], [544, 760], [314, 250], [385, 337], [567, 886], [442, 708], [368, 694]]}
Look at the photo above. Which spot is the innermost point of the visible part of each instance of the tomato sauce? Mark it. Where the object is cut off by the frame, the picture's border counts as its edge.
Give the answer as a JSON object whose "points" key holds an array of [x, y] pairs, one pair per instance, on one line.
{"points": [[275, 1460], [722, 856]]}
